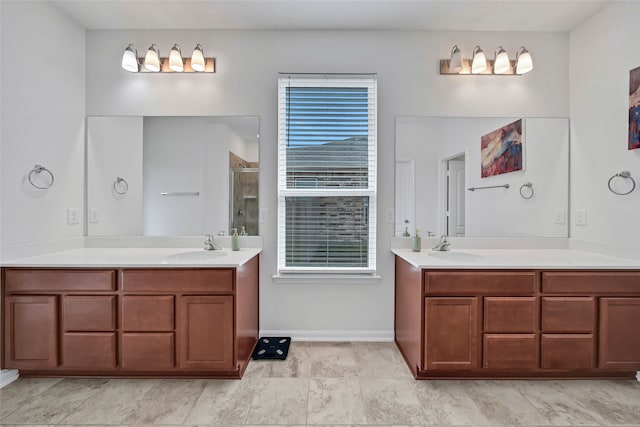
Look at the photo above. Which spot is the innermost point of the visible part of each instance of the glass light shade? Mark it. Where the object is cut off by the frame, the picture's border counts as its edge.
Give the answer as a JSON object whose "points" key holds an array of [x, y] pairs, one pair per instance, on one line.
{"points": [[197, 59], [524, 63], [455, 64], [501, 64], [479, 62], [175, 59], [152, 59], [130, 59]]}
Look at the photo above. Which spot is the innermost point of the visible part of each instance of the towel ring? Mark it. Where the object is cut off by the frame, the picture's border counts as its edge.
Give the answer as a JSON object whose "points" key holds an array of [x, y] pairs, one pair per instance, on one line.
{"points": [[39, 169], [626, 175], [526, 194], [122, 184]]}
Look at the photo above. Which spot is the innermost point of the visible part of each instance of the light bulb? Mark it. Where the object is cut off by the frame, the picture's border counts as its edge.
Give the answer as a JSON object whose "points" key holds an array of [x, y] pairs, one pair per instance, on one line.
{"points": [[479, 62], [175, 59], [524, 63], [130, 59], [152, 59], [197, 58], [501, 64]]}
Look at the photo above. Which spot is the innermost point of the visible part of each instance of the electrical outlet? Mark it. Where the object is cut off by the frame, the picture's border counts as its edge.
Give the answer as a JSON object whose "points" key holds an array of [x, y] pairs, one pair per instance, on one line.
{"points": [[561, 216], [264, 215], [581, 218], [72, 216], [390, 216], [94, 216]]}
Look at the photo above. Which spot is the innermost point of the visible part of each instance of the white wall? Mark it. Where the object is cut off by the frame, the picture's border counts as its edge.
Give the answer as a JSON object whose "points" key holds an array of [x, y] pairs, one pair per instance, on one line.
{"points": [[603, 51], [43, 112], [114, 149], [245, 83], [492, 212]]}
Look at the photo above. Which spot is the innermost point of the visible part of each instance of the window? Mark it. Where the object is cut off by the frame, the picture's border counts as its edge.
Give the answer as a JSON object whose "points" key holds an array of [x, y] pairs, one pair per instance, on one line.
{"points": [[327, 174]]}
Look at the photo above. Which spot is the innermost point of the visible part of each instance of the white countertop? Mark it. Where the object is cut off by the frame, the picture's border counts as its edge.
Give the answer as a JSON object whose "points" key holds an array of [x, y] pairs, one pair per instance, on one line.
{"points": [[514, 259], [139, 257]]}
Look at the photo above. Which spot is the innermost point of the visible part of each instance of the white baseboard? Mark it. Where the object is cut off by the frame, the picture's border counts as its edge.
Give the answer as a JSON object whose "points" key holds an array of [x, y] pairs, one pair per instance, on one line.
{"points": [[331, 335], [7, 376]]}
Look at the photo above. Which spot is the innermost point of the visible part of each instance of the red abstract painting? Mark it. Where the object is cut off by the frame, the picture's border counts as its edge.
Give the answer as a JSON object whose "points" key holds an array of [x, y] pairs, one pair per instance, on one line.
{"points": [[501, 150], [634, 109]]}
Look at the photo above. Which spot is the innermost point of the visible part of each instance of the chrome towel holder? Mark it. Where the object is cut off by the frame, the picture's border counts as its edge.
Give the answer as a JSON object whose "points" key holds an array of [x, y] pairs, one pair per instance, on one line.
{"points": [[38, 169], [489, 186], [120, 186], [526, 190], [625, 175]]}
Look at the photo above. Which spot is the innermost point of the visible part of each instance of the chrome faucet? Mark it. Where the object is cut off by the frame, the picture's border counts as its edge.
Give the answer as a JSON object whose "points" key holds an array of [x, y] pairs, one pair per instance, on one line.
{"points": [[443, 245], [209, 245]]}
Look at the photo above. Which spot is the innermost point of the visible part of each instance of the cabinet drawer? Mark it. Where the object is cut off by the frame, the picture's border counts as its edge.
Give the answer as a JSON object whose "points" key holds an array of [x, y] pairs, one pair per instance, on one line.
{"points": [[567, 351], [148, 313], [568, 314], [510, 315], [510, 351], [591, 282], [148, 351], [89, 350], [89, 313], [35, 280], [480, 282], [178, 280]]}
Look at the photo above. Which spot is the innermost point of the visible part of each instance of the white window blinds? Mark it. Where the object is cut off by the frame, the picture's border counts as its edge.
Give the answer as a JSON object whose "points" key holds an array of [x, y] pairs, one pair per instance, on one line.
{"points": [[327, 173]]}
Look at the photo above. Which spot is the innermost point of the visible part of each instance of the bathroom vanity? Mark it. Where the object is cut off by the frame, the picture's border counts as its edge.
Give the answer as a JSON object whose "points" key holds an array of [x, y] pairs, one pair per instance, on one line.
{"points": [[517, 313], [131, 312]]}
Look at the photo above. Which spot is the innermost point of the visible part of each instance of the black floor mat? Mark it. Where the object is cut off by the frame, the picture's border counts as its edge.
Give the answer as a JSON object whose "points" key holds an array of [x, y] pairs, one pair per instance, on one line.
{"points": [[271, 348]]}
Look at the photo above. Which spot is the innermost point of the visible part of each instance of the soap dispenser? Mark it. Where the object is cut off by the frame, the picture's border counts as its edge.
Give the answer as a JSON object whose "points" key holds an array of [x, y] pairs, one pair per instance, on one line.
{"points": [[235, 245], [416, 242], [243, 231]]}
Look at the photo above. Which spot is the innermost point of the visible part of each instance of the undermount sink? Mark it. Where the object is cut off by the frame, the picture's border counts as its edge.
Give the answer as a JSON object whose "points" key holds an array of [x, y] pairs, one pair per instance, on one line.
{"points": [[195, 256], [455, 256]]}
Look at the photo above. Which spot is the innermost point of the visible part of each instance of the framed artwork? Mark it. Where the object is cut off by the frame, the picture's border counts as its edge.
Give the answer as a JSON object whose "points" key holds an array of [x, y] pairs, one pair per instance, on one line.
{"points": [[501, 150], [634, 109]]}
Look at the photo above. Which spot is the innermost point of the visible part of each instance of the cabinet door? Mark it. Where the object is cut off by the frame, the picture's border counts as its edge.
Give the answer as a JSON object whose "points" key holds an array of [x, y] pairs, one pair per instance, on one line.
{"points": [[89, 350], [619, 342], [451, 333], [567, 351], [510, 351], [31, 332], [205, 332]]}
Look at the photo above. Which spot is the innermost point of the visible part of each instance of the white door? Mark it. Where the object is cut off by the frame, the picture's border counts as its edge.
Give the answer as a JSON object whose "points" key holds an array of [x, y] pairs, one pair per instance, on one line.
{"points": [[405, 206], [455, 198]]}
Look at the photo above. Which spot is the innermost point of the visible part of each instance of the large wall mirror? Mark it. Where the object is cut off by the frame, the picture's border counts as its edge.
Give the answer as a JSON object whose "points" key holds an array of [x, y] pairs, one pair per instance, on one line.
{"points": [[440, 187], [172, 176]]}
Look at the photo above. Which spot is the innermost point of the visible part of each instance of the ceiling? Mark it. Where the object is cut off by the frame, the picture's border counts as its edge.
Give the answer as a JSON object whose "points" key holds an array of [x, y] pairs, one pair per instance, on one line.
{"points": [[469, 15]]}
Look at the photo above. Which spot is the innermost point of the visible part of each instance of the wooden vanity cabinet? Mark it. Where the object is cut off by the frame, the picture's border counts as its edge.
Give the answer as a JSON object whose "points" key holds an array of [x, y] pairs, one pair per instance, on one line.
{"points": [[130, 322], [517, 323]]}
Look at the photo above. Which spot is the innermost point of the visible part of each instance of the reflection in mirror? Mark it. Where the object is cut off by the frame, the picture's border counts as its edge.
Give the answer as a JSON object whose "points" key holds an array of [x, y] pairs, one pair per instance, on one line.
{"points": [[185, 176], [438, 161]]}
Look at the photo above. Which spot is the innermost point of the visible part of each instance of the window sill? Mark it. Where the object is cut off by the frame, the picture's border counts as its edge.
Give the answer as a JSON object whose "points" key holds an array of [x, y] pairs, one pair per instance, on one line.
{"points": [[322, 279]]}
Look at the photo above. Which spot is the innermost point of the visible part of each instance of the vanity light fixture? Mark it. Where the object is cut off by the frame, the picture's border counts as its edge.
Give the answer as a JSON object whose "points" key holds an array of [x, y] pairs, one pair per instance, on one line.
{"points": [[524, 63], [479, 64], [130, 59], [175, 63], [152, 59], [479, 61], [197, 58], [175, 59], [501, 63], [455, 64]]}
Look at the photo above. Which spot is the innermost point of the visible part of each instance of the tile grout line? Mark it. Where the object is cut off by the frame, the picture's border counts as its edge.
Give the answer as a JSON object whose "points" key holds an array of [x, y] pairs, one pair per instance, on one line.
{"points": [[186, 417]]}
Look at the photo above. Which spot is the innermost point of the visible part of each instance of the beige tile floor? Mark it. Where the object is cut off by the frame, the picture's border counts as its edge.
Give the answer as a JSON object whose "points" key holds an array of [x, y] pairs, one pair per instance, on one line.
{"points": [[322, 384]]}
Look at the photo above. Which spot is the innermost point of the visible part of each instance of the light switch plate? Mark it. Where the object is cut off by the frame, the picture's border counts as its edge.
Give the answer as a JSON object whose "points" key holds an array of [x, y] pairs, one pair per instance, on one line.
{"points": [[581, 217], [264, 215], [561, 216], [390, 215], [94, 215], [72, 216]]}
